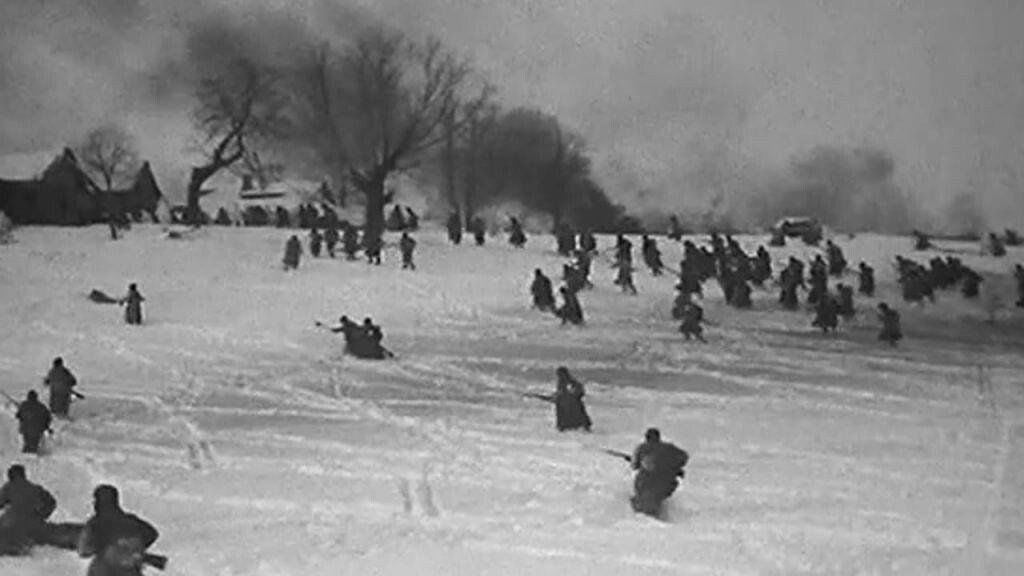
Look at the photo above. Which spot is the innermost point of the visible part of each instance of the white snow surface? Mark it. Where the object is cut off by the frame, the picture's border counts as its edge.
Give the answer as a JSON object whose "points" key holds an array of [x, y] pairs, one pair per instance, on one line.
{"points": [[242, 432]]}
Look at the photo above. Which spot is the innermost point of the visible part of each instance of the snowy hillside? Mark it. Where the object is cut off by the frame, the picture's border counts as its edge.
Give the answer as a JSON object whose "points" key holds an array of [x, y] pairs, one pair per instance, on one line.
{"points": [[243, 434]]}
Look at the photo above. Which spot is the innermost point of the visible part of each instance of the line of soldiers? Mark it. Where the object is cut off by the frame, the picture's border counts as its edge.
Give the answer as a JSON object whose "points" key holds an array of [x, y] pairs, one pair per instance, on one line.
{"points": [[919, 282], [351, 243], [116, 540]]}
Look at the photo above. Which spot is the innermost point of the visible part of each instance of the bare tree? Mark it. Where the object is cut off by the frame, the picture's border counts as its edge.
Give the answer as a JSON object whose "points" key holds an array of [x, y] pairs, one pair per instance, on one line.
{"points": [[235, 110], [386, 103], [109, 153]]}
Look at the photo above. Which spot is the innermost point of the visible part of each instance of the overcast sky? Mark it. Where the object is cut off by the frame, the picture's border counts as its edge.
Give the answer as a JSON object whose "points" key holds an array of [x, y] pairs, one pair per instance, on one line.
{"points": [[662, 89]]}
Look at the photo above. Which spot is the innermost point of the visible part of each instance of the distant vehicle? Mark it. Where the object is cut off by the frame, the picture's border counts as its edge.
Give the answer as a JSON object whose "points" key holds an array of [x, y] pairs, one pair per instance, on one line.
{"points": [[798, 227]]}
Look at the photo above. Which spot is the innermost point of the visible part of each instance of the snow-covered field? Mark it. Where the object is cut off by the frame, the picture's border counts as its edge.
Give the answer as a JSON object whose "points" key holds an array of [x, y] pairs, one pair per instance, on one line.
{"points": [[240, 430]]}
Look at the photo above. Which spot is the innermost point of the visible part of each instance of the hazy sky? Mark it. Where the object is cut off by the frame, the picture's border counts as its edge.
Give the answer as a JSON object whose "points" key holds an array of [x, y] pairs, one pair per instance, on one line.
{"points": [[682, 96]]}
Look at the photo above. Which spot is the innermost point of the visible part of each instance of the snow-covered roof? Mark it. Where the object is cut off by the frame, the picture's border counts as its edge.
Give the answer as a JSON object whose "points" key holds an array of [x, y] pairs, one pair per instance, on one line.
{"points": [[284, 191], [26, 165]]}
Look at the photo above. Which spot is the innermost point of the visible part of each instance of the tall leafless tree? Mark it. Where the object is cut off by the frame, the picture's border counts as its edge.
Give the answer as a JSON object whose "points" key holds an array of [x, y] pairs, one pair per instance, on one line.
{"points": [[384, 103], [235, 109], [109, 154]]}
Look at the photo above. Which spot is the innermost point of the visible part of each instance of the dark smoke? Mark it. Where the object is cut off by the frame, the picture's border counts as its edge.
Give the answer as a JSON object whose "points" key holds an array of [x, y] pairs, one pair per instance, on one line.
{"points": [[849, 190], [68, 66]]}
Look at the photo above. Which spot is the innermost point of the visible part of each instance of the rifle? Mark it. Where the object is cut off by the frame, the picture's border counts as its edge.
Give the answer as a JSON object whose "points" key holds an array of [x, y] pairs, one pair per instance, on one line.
{"points": [[155, 560], [623, 455], [78, 395], [538, 396], [9, 399]]}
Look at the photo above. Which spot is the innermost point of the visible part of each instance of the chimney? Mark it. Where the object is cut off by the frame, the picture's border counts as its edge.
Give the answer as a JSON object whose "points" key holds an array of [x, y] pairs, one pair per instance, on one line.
{"points": [[246, 182]]}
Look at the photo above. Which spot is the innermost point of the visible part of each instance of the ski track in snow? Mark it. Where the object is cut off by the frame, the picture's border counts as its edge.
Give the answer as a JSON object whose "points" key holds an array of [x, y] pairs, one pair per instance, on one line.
{"points": [[257, 448]]}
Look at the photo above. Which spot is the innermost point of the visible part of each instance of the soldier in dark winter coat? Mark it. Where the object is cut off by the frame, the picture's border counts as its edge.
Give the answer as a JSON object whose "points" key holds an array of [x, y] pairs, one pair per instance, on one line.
{"points": [[867, 280], [479, 230], [372, 246], [407, 245], [787, 289], [826, 317], [565, 239], [588, 243], [623, 249], [682, 300], [412, 220], [571, 311], [583, 262], [292, 253], [352, 333], [396, 219], [573, 278], [375, 336], [845, 304], [133, 305], [972, 284], [61, 383], [331, 240], [693, 317], [652, 256], [349, 240], [540, 289], [516, 236], [315, 242], [921, 241], [454, 226], [762, 266], [570, 412], [115, 540], [624, 278], [1018, 273], [890, 319], [836, 259], [819, 280], [741, 294], [995, 244], [33, 421], [26, 506], [658, 466]]}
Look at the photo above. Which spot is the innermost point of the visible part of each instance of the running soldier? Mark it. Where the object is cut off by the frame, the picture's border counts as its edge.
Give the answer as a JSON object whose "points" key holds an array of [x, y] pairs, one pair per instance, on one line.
{"points": [[693, 317], [331, 240], [540, 289], [315, 242], [407, 245], [133, 306], [115, 540], [516, 235], [890, 319], [658, 467], [571, 311], [61, 383], [292, 253], [867, 280], [349, 240], [33, 421], [26, 507]]}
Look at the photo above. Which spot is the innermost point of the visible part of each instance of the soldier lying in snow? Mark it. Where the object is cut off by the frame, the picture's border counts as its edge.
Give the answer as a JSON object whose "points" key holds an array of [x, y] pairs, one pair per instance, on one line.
{"points": [[361, 341]]}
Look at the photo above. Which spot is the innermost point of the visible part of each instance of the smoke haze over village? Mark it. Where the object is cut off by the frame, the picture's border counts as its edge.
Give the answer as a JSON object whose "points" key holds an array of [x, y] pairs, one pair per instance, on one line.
{"points": [[680, 101]]}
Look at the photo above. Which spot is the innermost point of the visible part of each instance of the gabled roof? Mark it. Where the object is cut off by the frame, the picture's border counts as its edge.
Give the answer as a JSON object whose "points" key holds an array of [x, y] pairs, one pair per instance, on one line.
{"points": [[27, 165]]}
